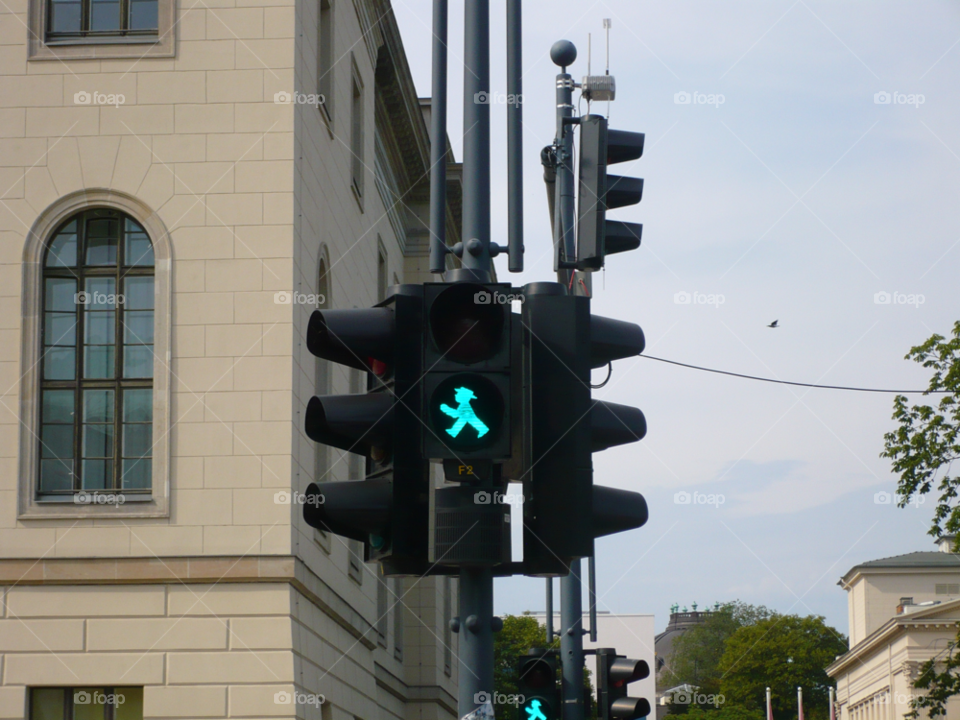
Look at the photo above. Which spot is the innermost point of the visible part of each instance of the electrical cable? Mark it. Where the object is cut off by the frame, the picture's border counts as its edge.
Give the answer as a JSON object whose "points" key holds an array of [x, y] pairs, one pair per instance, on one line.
{"points": [[788, 382], [609, 374]]}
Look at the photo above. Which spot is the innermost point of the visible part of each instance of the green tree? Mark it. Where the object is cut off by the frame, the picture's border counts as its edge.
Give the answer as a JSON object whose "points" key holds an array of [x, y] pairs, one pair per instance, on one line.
{"points": [[519, 634], [724, 712], [697, 652], [782, 652], [928, 437]]}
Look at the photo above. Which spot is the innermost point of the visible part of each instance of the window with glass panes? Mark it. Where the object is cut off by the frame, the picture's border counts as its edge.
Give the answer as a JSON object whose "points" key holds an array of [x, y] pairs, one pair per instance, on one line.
{"points": [[96, 405], [86, 703], [101, 18]]}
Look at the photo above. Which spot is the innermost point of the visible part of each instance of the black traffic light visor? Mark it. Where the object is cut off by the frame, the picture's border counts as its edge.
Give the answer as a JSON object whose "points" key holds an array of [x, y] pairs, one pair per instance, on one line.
{"points": [[353, 337], [467, 324]]}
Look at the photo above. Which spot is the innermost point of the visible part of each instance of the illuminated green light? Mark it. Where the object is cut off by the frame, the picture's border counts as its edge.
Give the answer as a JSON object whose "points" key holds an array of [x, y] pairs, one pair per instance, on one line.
{"points": [[464, 414], [534, 712]]}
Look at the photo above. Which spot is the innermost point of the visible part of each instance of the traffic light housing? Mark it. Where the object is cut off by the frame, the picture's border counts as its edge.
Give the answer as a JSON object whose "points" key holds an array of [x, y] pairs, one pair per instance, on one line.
{"points": [[600, 191], [563, 511], [389, 510], [614, 674], [538, 685]]}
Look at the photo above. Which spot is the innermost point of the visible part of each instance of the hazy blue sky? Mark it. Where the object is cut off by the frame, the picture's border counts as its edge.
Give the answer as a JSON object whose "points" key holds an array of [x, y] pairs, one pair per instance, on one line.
{"points": [[799, 198]]}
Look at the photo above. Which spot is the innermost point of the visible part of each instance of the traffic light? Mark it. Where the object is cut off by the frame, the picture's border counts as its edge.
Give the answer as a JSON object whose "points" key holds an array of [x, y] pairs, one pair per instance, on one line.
{"points": [[599, 192], [563, 511], [467, 359], [389, 510], [538, 685], [614, 674]]}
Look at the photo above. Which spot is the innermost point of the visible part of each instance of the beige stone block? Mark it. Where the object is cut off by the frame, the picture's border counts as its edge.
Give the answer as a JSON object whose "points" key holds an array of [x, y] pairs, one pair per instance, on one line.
{"points": [[284, 79], [235, 147], [265, 53], [189, 276], [233, 275], [279, 22], [93, 541], [187, 407], [206, 55], [203, 308], [41, 635], [261, 438], [27, 542], [139, 120], [277, 471], [276, 540], [116, 84], [235, 86], [203, 507], [87, 601], [137, 65], [204, 243], [163, 541], [133, 162], [263, 507], [98, 156], [64, 165], [72, 669], [188, 341], [232, 667], [20, 152], [54, 122], [236, 209], [278, 146], [13, 28], [204, 118], [32, 90], [180, 148], [13, 59], [234, 23], [13, 120], [157, 186], [193, 24], [267, 176], [162, 88], [185, 701], [202, 375], [229, 599], [203, 439], [278, 274], [263, 373], [259, 701], [157, 634], [186, 473], [277, 208], [264, 241], [276, 406], [264, 117], [184, 211], [13, 700], [204, 178], [232, 407], [231, 471], [277, 340], [264, 307], [231, 540], [12, 184]]}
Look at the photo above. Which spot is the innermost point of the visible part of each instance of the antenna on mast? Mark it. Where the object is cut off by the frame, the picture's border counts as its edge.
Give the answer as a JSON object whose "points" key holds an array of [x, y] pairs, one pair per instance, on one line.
{"points": [[599, 87], [606, 26]]}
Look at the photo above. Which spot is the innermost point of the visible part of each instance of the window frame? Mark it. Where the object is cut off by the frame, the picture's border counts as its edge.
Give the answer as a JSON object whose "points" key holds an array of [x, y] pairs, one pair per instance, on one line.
{"points": [[155, 504], [86, 11], [326, 62], [69, 698], [357, 133]]}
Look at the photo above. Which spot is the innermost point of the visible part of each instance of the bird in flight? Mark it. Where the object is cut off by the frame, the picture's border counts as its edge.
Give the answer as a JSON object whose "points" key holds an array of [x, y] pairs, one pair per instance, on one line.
{"points": [[774, 324]]}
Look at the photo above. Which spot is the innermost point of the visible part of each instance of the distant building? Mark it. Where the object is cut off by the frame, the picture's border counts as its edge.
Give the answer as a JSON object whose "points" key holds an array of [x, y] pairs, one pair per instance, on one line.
{"points": [[680, 622], [903, 611]]}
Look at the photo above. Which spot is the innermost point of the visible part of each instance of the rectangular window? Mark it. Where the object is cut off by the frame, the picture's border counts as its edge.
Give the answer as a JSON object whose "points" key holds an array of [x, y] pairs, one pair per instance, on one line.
{"points": [[325, 58], [396, 585], [381, 271], [383, 611], [92, 19], [447, 633], [356, 134], [948, 589], [86, 703]]}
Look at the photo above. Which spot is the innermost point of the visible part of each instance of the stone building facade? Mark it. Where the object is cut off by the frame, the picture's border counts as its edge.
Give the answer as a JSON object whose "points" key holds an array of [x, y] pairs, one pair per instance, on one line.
{"points": [[175, 200]]}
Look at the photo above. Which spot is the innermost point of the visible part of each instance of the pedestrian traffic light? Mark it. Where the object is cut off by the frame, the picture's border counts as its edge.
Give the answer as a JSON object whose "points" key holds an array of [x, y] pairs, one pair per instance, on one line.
{"points": [[537, 686], [563, 512], [600, 191], [614, 674], [389, 510], [466, 362]]}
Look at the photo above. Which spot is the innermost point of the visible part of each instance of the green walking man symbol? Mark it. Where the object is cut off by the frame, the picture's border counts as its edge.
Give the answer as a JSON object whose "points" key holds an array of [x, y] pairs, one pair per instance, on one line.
{"points": [[464, 413], [534, 712]]}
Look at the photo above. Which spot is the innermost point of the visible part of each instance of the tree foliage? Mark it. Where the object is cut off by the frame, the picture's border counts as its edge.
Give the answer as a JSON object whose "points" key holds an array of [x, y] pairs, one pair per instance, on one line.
{"points": [[520, 633], [724, 712], [927, 440], [781, 652], [939, 677]]}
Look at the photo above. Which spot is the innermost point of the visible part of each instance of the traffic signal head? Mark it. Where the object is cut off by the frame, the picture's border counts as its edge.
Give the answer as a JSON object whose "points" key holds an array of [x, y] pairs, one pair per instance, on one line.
{"points": [[614, 674], [599, 192], [537, 684]]}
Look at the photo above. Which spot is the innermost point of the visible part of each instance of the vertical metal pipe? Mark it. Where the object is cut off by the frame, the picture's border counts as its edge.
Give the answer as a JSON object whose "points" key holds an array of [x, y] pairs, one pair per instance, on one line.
{"points": [[476, 636], [514, 136], [549, 614], [571, 643], [592, 570], [438, 141], [564, 233], [476, 136]]}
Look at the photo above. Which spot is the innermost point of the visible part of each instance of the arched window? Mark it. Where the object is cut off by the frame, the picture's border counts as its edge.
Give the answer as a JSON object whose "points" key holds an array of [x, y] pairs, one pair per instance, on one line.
{"points": [[97, 357]]}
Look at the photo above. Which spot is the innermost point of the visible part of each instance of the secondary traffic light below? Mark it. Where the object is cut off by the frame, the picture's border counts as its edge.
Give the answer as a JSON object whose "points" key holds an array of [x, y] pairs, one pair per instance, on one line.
{"points": [[614, 674], [537, 684]]}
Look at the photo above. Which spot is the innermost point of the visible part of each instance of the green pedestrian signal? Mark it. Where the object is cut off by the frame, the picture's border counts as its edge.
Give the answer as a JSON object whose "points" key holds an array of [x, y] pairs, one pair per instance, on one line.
{"points": [[533, 711], [464, 414]]}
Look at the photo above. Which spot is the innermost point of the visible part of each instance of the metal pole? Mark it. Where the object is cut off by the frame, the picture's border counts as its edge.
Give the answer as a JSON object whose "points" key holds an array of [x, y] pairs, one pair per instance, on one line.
{"points": [[476, 636], [476, 137], [571, 643], [565, 189], [514, 137], [438, 141], [549, 615], [592, 590]]}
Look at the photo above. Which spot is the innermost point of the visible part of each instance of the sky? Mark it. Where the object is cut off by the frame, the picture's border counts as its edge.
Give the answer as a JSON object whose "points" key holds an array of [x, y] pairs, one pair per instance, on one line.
{"points": [[787, 189]]}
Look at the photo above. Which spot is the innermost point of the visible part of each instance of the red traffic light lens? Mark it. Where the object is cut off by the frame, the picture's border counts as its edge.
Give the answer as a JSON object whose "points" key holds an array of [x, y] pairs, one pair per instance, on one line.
{"points": [[538, 674], [467, 326]]}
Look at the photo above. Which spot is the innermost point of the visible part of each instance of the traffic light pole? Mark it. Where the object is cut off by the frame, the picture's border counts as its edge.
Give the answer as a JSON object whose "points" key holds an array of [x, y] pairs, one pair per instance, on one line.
{"points": [[571, 642], [563, 53]]}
